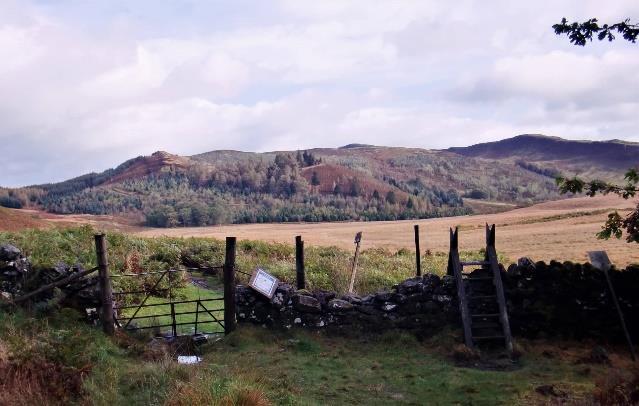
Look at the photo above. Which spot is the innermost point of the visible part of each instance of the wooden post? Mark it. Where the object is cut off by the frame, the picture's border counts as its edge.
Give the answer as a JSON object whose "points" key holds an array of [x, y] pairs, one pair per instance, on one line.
{"points": [[454, 246], [229, 286], [173, 323], [358, 239], [418, 256], [600, 260], [454, 267], [197, 313], [491, 258], [299, 262], [106, 295]]}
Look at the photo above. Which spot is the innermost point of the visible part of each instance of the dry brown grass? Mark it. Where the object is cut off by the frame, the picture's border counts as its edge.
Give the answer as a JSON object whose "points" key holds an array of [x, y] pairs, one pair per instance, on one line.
{"points": [[39, 383], [543, 232]]}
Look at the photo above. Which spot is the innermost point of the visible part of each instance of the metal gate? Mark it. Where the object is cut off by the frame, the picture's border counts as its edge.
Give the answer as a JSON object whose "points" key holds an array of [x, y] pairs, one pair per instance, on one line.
{"points": [[155, 305], [163, 314]]}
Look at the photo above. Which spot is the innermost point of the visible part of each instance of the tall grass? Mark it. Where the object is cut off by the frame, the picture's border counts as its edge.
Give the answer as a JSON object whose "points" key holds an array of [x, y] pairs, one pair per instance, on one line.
{"points": [[327, 268]]}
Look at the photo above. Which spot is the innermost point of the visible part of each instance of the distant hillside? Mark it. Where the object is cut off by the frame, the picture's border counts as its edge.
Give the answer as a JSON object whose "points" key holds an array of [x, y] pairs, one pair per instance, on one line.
{"points": [[354, 182], [591, 158]]}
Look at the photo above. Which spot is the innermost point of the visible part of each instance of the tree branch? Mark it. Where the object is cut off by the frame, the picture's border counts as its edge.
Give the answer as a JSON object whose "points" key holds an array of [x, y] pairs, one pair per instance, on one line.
{"points": [[580, 33]]}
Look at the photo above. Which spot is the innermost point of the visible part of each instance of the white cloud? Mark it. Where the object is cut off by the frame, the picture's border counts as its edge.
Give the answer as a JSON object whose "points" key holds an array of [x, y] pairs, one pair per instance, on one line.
{"points": [[88, 85]]}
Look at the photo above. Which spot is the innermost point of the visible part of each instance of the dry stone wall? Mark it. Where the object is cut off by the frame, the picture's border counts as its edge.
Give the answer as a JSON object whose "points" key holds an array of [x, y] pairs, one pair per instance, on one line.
{"points": [[423, 304], [18, 276], [544, 300]]}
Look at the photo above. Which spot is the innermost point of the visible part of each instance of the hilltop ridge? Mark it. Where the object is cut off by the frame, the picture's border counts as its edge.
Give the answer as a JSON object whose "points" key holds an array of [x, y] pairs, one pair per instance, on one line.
{"points": [[352, 182]]}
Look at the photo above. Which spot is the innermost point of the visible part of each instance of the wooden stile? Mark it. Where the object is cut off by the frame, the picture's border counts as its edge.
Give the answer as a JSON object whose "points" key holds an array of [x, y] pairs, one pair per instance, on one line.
{"points": [[476, 321]]}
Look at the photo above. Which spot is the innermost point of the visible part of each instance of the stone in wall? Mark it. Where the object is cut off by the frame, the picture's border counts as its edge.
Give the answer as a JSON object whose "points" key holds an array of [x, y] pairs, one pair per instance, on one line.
{"points": [[544, 300], [421, 303], [17, 277]]}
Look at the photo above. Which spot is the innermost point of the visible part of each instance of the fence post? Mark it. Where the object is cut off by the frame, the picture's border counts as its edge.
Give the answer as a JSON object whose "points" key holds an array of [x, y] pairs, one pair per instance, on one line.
{"points": [[229, 286], [299, 262], [173, 323], [418, 258], [106, 295]]}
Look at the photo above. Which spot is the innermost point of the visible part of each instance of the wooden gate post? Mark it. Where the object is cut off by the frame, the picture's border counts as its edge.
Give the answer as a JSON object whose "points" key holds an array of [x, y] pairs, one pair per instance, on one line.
{"points": [[299, 262], [106, 295], [418, 257], [229, 286], [358, 240]]}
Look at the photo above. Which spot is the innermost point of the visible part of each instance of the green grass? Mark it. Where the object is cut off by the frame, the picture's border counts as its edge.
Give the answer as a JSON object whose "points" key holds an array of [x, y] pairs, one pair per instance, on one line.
{"points": [[159, 313], [326, 267], [294, 367], [309, 368], [255, 365]]}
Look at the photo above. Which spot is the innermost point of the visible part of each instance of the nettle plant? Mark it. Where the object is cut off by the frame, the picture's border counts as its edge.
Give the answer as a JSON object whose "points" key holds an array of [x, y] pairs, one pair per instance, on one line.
{"points": [[616, 224]]}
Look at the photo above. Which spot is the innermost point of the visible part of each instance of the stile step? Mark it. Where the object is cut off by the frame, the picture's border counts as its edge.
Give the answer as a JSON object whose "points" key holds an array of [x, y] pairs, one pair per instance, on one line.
{"points": [[482, 297], [489, 338], [475, 263], [485, 325], [482, 315]]}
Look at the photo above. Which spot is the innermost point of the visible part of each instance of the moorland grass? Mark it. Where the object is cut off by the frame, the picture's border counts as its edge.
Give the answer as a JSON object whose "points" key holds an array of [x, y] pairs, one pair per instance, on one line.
{"points": [[254, 366], [326, 267]]}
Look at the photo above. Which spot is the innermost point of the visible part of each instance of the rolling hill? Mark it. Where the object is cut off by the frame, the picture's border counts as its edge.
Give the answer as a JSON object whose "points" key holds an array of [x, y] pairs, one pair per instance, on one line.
{"points": [[603, 159], [354, 182]]}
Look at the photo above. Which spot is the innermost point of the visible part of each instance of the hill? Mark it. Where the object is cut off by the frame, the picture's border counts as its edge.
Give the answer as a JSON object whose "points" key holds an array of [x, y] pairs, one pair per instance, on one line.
{"points": [[354, 182], [590, 158]]}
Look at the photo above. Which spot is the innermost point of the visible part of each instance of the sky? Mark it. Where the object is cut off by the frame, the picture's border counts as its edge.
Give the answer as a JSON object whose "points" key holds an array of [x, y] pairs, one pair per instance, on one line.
{"points": [[86, 85]]}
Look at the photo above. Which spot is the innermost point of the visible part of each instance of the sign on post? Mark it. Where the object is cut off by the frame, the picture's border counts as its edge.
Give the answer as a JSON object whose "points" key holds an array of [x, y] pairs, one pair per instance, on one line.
{"points": [[600, 260], [263, 282]]}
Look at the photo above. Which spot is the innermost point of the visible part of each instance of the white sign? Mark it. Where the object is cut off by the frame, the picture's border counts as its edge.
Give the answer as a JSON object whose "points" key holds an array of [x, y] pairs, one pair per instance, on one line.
{"points": [[263, 282], [600, 260]]}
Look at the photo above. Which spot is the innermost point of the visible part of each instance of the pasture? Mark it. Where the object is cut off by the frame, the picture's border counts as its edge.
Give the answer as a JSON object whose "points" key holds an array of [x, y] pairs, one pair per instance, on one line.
{"points": [[563, 230]]}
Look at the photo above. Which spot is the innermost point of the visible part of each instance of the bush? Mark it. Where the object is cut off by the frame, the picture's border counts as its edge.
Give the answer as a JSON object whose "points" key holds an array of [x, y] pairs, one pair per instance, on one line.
{"points": [[11, 202]]}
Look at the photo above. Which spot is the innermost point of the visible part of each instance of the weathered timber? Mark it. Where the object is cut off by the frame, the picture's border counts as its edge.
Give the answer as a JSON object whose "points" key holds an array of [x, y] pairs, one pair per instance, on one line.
{"points": [[418, 257], [600, 260], [456, 269], [358, 240], [55, 284], [106, 294], [299, 263], [229, 286], [491, 258]]}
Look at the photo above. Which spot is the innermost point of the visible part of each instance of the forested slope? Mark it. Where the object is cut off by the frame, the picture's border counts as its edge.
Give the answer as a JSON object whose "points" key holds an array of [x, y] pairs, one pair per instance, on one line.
{"points": [[356, 182]]}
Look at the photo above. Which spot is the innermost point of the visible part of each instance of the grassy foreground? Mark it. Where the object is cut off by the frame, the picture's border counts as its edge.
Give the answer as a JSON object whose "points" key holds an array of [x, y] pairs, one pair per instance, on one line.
{"points": [[58, 360], [55, 358]]}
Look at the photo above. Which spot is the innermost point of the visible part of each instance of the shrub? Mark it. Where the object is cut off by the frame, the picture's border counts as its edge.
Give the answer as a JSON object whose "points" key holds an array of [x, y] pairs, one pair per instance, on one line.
{"points": [[11, 202]]}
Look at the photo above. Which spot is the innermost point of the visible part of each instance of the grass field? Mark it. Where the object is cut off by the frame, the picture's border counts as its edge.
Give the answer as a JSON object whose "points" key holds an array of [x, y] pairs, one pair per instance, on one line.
{"points": [[58, 360], [562, 230]]}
